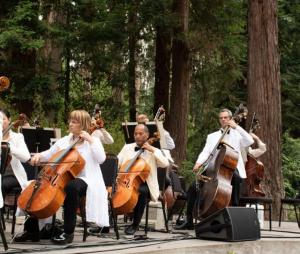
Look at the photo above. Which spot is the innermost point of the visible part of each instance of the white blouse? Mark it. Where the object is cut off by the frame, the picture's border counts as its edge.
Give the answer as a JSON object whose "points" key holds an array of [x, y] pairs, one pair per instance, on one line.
{"points": [[96, 195], [104, 136]]}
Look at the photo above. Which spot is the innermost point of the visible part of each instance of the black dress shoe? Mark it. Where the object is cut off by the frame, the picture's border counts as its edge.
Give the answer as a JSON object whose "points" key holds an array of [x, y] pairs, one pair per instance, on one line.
{"points": [[130, 230], [98, 230], [28, 236], [63, 238], [185, 226]]}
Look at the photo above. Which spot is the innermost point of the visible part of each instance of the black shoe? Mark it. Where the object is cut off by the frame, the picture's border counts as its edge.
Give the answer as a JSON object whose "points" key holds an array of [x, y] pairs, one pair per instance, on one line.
{"points": [[63, 238], [28, 236], [130, 230], [98, 230], [185, 226]]}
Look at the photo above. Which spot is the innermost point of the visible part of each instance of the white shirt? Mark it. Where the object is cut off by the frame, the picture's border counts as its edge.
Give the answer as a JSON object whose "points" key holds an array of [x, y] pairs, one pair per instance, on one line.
{"points": [[260, 150], [237, 138], [104, 136], [19, 153], [96, 194], [154, 160], [170, 145]]}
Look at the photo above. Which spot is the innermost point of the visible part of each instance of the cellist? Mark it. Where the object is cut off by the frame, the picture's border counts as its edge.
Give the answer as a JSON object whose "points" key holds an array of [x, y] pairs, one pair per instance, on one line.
{"points": [[88, 183], [15, 175], [154, 157], [238, 138]]}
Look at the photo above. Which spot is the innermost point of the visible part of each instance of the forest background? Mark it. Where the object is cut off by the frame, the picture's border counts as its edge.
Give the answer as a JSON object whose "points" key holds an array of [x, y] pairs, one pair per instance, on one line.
{"points": [[193, 57]]}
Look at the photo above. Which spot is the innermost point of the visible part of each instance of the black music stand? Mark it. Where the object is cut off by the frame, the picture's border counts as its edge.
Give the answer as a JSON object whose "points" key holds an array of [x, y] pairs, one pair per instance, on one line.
{"points": [[128, 131], [37, 139]]}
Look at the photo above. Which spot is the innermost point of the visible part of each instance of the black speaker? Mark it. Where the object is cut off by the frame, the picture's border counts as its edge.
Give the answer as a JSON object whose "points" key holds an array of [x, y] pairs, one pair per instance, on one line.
{"points": [[230, 224]]}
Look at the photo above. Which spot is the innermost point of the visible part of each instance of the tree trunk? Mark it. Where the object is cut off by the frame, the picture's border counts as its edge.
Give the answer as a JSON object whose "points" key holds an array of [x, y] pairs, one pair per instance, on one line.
{"points": [[180, 82], [132, 44], [53, 50], [264, 96], [162, 68]]}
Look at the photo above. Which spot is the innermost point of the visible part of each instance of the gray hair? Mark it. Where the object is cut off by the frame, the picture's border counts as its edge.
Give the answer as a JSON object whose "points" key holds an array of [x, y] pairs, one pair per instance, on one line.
{"points": [[146, 129], [226, 110]]}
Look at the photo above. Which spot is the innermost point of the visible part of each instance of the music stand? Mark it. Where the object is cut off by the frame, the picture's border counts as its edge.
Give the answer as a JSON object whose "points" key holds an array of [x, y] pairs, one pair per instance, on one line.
{"points": [[128, 131], [37, 139]]}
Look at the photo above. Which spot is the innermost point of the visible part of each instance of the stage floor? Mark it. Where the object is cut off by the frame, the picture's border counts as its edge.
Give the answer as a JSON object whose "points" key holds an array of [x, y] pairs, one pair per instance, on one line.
{"points": [[285, 239]]}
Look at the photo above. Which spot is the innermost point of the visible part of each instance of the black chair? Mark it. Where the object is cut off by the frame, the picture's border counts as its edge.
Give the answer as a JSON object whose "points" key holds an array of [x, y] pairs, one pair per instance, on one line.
{"points": [[161, 177], [109, 172], [13, 194], [266, 202], [4, 160], [179, 193], [295, 202]]}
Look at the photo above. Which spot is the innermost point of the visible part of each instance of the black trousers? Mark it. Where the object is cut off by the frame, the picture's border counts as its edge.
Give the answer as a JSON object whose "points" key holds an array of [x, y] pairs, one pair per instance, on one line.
{"points": [[192, 195], [8, 183], [75, 189], [141, 204]]}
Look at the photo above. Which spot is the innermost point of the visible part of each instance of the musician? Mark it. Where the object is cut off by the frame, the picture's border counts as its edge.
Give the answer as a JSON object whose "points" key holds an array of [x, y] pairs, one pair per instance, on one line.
{"points": [[98, 126], [88, 183], [154, 158], [261, 147], [102, 134], [238, 138], [170, 145], [14, 175]]}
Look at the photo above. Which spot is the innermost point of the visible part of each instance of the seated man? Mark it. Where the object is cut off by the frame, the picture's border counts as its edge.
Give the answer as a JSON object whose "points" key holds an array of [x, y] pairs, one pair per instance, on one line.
{"points": [[154, 158], [170, 145]]}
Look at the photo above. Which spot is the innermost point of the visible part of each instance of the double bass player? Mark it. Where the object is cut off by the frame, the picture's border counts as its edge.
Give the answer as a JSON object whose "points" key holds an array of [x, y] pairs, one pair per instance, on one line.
{"points": [[237, 138]]}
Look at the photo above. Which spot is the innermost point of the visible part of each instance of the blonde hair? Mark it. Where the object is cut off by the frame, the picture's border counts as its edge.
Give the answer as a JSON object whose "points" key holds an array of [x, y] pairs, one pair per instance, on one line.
{"points": [[83, 118]]}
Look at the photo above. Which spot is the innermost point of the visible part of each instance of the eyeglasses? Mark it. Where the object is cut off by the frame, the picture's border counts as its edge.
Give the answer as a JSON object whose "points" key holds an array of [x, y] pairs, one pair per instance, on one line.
{"points": [[224, 117]]}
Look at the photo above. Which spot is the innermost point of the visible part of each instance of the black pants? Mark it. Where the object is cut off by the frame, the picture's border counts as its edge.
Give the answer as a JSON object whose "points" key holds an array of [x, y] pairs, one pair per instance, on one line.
{"points": [[141, 204], [192, 195], [74, 191], [8, 183]]}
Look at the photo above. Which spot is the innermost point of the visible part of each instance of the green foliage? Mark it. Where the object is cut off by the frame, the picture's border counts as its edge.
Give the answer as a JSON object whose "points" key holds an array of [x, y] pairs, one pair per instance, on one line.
{"points": [[291, 165], [17, 30], [289, 42]]}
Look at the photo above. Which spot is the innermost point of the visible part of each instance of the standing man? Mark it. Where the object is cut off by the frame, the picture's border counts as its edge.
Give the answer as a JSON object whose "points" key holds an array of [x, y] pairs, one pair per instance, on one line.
{"points": [[237, 138]]}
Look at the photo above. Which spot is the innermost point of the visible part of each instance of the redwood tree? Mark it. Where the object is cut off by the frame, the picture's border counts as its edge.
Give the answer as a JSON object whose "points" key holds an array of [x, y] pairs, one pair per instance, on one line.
{"points": [[264, 96], [180, 81]]}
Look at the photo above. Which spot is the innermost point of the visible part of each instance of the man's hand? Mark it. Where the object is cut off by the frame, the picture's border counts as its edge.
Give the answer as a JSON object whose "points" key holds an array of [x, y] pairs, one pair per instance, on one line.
{"points": [[148, 147], [232, 124], [196, 167]]}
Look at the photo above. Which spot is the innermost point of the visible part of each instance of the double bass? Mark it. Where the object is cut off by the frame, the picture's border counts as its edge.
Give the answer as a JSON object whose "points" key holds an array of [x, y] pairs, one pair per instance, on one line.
{"points": [[44, 196], [218, 168], [254, 168]]}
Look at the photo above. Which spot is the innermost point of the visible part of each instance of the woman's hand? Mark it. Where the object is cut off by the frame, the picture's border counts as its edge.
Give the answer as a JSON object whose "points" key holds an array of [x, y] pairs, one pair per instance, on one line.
{"points": [[86, 136], [35, 159]]}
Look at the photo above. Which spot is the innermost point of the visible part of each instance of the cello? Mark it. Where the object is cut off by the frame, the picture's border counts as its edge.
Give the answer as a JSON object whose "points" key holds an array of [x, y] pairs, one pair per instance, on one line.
{"points": [[218, 169], [44, 196], [130, 176], [254, 168]]}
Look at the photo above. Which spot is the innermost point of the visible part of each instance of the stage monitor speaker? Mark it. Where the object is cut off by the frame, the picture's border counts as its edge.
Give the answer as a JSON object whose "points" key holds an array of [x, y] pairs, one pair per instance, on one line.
{"points": [[230, 224]]}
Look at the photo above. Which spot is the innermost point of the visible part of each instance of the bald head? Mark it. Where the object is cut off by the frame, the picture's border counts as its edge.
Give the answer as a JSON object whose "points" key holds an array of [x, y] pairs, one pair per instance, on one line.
{"points": [[141, 134], [142, 118]]}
